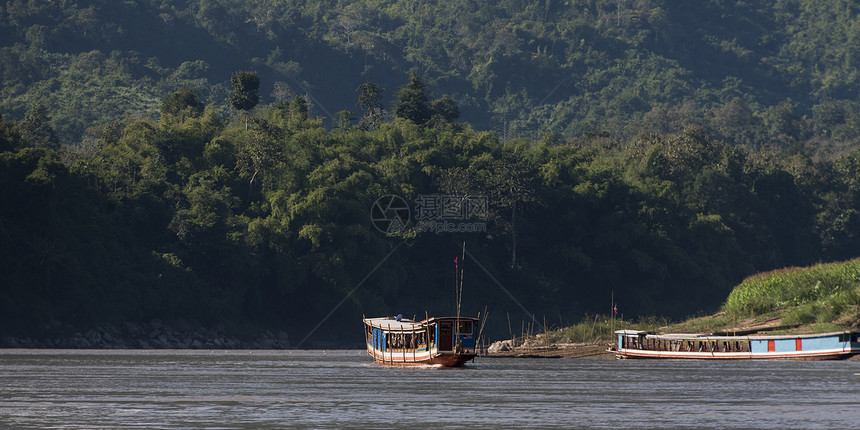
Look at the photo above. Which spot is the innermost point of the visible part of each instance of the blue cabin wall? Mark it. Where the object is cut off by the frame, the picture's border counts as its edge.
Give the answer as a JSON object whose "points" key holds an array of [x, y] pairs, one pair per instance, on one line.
{"points": [[827, 342], [467, 340], [790, 344], [378, 337]]}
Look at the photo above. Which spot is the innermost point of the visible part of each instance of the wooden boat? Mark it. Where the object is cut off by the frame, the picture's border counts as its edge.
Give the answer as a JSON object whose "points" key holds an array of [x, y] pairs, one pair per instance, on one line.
{"points": [[433, 341], [824, 346]]}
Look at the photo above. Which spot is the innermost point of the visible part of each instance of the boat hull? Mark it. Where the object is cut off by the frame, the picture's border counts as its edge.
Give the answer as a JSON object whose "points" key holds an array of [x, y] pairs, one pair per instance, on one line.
{"points": [[676, 355], [444, 359]]}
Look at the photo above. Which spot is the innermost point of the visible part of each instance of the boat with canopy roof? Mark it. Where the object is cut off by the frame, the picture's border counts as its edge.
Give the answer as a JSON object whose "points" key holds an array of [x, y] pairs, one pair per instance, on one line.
{"points": [[443, 341]]}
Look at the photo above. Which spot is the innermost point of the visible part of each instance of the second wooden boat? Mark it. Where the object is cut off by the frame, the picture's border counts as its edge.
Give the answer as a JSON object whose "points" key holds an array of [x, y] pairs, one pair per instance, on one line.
{"points": [[824, 346]]}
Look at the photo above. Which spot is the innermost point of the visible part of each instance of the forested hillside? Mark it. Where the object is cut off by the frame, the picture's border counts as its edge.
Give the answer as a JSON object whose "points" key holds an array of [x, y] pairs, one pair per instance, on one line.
{"points": [[520, 68], [215, 162]]}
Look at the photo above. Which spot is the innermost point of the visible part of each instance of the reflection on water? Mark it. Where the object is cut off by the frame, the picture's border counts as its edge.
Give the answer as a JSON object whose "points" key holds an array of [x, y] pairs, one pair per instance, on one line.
{"points": [[337, 389]]}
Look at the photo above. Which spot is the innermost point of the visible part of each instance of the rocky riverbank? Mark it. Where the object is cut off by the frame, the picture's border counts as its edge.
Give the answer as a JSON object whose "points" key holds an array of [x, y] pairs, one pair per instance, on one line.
{"points": [[537, 348], [151, 335]]}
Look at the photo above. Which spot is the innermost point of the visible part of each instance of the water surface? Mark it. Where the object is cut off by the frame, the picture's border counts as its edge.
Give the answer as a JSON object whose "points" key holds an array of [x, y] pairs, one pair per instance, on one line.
{"points": [[47, 389]]}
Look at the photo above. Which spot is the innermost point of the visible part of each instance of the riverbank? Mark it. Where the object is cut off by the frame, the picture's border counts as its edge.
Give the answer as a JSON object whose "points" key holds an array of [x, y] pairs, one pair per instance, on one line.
{"points": [[562, 343], [561, 350], [150, 335]]}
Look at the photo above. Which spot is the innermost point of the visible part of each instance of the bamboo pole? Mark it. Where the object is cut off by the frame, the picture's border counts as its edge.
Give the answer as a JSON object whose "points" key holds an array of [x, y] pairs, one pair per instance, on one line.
{"points": [[544, 326], [523, 329], [459, 299], [427, 334], [483, 323], [612, 315]]}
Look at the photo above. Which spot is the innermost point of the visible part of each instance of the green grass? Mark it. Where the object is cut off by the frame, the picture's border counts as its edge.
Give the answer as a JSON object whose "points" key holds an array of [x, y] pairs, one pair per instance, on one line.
{"points": [[817, 294]]}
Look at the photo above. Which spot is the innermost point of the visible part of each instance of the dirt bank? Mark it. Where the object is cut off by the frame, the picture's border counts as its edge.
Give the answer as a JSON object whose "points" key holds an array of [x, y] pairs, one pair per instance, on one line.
{"points": [[562, 350]]}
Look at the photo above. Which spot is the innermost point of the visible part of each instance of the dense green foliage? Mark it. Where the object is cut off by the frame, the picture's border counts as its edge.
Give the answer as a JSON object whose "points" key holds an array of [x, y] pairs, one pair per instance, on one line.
{"points": [[519, 68], [264, 219], [201, 160], [822, 293]]}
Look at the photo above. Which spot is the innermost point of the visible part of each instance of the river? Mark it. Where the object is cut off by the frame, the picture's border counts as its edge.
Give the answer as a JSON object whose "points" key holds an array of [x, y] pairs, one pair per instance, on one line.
{"points": [[74, 389]]}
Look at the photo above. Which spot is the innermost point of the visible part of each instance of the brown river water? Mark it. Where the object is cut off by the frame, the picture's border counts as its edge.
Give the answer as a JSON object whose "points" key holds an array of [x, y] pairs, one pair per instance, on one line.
{"points": [[77, 389]]}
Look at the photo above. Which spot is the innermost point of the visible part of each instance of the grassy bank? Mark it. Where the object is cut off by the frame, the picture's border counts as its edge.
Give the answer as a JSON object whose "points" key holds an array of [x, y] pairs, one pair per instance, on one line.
{"points": [[824, 294], [820, 298]]}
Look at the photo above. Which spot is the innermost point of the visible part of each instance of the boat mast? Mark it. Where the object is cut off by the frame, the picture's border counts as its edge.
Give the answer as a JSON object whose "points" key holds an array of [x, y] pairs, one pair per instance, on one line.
{"points": [[459, 291], [612, 318]]}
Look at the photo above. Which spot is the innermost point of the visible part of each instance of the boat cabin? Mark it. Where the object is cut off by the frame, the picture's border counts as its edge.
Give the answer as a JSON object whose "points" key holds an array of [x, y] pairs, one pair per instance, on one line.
{"points": [[641, 344], [438, 332], [401, 341]]}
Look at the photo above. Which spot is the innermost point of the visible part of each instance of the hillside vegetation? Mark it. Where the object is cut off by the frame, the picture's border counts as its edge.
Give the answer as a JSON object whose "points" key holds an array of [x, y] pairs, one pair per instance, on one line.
{"points": [[814, 299], [520, 68], [215, 163], [824, 293]]}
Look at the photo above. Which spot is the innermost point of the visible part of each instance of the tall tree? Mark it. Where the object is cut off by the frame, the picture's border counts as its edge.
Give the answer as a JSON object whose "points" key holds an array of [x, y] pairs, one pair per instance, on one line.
{"points": [[444, 109], [370, 102], [512, 184], [245, 87], [298, 111], [181, 105], [411, 101]]}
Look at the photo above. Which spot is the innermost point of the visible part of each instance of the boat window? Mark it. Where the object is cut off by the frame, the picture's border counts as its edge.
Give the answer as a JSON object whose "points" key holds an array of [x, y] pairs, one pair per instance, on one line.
{"points": [[465, 327], [445, 329]]}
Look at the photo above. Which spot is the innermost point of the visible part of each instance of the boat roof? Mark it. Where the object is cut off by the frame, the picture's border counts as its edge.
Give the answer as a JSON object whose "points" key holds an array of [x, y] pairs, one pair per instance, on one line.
{"points": [[406, 323], [391, 323], [701, 336], [453, 317], [629, 332]]}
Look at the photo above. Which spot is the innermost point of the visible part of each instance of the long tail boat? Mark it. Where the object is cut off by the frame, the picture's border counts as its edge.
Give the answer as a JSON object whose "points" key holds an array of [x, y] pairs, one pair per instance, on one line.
{"points": [[443, 341], [824, 346]]}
